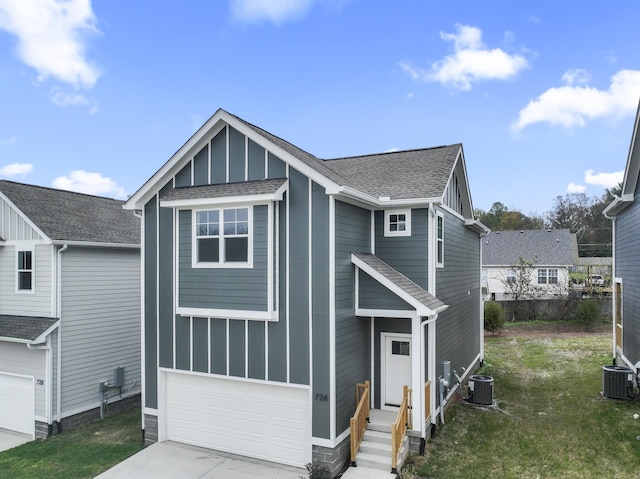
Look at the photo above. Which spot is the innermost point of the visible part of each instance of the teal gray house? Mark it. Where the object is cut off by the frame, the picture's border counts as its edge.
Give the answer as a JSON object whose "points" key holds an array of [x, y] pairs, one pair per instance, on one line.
{"points": [[274, 282], [624, 212]]}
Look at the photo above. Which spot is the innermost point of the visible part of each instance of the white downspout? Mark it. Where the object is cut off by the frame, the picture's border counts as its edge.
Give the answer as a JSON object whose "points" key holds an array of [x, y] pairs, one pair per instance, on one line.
{"points": [[613, 285], [49, 375], [59, 316]]}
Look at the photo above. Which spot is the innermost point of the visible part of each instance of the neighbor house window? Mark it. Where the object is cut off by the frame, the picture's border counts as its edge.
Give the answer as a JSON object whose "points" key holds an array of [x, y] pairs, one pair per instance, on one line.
{"points": [[511, 276], [548, 276], [440, 241], [397, 223], [222, 236], [25, 271]]}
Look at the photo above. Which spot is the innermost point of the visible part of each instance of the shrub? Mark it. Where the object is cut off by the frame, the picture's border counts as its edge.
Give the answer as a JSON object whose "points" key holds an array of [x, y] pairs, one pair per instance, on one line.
{"points": [[493, 317], [588, 313], [318, 471]]}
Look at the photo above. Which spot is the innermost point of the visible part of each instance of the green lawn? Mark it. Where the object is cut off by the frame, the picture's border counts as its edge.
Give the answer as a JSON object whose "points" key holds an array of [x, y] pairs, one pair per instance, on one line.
{"points": [[550, 422], [83, 452]]}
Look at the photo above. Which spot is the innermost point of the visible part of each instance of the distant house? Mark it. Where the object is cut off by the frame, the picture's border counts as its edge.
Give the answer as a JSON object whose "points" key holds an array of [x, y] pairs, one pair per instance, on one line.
{"points": [[625, 214], [551, 254], [275, 282], [69, 307]]}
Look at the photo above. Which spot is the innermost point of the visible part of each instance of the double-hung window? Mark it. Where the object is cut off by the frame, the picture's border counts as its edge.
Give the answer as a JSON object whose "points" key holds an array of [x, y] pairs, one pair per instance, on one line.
{"points": [[548, 276], [223, 237], [440, 241], [24, 271]]}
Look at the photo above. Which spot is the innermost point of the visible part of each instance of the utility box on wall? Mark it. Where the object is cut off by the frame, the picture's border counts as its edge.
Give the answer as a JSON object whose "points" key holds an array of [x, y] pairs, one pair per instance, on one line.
{"points": [[118, 377]]}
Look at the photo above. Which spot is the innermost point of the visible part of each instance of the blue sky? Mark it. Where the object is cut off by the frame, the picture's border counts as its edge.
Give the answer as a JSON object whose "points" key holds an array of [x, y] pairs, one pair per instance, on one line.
{"points": [[96, 96]]}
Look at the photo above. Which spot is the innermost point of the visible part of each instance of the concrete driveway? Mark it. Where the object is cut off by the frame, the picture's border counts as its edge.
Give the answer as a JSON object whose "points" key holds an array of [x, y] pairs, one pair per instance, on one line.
{"points": [[10, 439], [170, 460]]}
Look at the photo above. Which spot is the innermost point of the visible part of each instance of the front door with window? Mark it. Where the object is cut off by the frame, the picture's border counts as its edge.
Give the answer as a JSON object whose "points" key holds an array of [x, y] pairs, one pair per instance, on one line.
{"points": [[396, 368]]}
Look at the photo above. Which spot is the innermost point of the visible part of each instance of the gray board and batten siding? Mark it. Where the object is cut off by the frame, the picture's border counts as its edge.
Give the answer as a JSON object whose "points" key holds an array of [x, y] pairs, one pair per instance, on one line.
{"points": [[261, 350], [353, 335], [627, 261], [458, 285]]}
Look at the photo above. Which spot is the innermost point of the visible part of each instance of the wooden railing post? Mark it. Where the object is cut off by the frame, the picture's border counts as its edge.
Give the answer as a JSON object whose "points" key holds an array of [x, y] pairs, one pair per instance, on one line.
{"points": [[358, 423]]}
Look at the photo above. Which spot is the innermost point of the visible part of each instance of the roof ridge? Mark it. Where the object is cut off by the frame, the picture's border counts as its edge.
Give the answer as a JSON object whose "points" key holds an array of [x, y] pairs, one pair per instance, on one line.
{"points": [[60, 190], [411, 150]]}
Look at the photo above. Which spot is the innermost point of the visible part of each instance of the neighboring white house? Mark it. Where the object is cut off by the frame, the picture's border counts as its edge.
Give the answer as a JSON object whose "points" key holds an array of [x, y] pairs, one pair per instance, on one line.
{"points": [[69, 307], [551, 253]]}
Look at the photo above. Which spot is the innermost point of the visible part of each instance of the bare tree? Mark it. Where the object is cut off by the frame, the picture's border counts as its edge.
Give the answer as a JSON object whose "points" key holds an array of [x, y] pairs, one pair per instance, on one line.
{"points": [[521, 284]]}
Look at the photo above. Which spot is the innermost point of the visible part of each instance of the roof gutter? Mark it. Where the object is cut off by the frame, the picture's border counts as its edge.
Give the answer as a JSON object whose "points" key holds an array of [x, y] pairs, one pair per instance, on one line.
{"points": [[382, 201], [96, 244], [617, 205]]}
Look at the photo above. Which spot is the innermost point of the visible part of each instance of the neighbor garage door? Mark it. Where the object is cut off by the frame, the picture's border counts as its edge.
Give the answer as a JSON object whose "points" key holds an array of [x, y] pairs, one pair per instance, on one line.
{"points": [[259, 420], [16, 403]]}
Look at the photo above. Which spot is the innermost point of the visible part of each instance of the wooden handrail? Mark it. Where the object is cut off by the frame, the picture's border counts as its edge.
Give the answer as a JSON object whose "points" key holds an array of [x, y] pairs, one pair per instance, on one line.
{"points": [[358, 423], [404, 420], [427, 401]]}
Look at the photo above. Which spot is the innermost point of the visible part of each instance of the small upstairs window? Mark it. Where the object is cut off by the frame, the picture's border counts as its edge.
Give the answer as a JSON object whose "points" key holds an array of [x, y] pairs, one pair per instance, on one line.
{"points": [[24, 278], [397, 223]]}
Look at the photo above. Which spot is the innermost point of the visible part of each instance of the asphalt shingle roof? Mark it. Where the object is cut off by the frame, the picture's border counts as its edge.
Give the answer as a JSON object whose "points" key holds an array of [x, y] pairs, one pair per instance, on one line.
{"points": [[408, 174], [421, 173], [414, 290], [260, 187], [24, 327], [542, 247], [69, 216]]}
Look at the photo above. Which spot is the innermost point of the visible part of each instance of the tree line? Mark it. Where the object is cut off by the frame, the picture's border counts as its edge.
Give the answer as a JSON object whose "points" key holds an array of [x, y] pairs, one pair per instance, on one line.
{"points": [[576, 212]]}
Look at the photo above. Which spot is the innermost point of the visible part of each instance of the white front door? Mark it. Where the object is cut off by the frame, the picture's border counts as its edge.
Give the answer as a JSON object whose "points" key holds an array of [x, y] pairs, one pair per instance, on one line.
{"points": [[396, 368]]}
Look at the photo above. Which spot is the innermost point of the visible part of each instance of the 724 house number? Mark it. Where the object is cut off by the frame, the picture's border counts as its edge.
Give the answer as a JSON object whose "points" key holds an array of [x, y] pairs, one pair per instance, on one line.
{"points": [[321, 397]]}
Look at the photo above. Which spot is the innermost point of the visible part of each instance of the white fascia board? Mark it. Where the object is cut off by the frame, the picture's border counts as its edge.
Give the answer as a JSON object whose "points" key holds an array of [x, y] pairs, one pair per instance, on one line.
{"points": [[421, 309], [386, 313], [171, 167], [43, 337], [139, 198], [25, 218], [618, 205], [227, 313], [382, 202], [96, 244], [477, 226], [15, 340], [225, 200]]}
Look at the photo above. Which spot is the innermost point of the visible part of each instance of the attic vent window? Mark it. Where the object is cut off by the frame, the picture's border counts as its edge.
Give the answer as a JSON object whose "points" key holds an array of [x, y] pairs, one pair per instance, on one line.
{"points": [[397, 223]]}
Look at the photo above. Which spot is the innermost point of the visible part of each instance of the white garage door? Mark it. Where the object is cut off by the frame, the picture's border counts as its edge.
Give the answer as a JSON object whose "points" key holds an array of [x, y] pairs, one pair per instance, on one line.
{"points": [[16, 403], [259, 420]]}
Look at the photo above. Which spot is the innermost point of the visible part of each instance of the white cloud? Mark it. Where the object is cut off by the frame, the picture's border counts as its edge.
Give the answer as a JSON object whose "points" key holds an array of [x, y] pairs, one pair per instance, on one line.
{"points": [[470, 62], [51, 37], [91, 183], [16, 169], [275, 11], [65, 99], [9, 141], [576, 102], [574, 188], [606, 180]]}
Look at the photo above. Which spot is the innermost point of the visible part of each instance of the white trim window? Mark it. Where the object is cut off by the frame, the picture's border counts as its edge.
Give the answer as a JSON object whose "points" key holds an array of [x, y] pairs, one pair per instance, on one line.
{"points": [[24, 270], [548, 276], [223, 237], [397, 223], [440, 240]]}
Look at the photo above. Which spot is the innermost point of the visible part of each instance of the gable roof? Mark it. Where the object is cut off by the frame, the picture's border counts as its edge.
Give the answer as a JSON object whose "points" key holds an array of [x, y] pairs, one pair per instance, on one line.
{"points": [[25, 329], [631, 173], [425, 303], [542, 247], [66, 216], [391, 179]]}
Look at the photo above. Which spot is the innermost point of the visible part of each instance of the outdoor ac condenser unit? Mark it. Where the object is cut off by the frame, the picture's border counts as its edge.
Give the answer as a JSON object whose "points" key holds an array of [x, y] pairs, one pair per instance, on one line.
{"points": [[481, 390], [617, 382]]}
